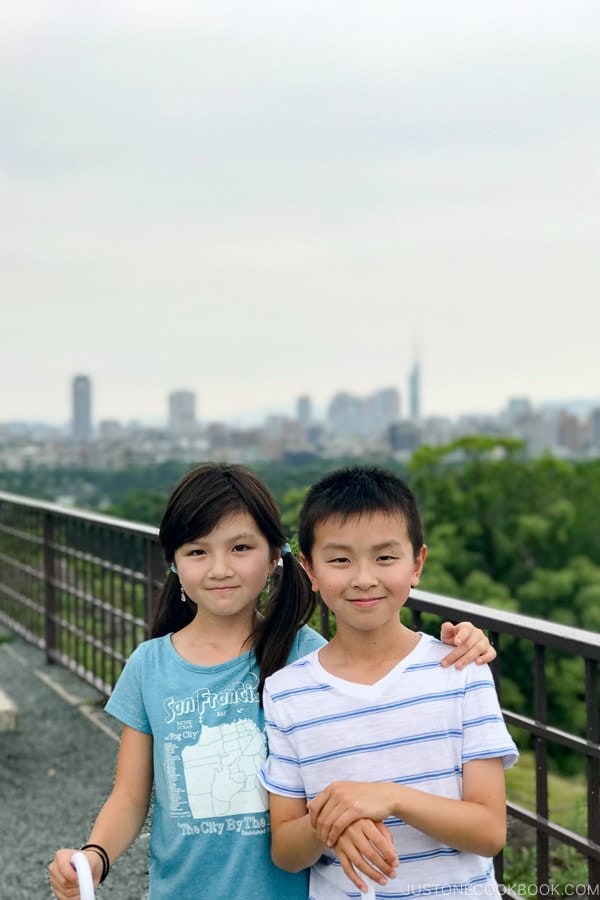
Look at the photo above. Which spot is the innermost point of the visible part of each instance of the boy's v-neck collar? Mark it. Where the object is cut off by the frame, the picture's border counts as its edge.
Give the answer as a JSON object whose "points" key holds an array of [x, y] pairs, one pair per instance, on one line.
{"points": [[358, 689]]}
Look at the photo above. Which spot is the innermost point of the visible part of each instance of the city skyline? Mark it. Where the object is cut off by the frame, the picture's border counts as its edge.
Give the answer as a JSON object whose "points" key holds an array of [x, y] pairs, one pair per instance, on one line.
{"points": [[352, 425], [258, 203], [181, 409]]}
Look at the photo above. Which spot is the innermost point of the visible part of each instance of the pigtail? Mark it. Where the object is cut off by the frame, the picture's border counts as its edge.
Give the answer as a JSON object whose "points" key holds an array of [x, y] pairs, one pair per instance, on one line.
{"points": [[290, 606], [171, 614]]}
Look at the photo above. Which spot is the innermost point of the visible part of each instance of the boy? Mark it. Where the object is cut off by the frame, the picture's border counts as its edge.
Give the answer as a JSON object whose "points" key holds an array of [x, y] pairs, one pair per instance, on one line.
{"points": [[401, 762]]}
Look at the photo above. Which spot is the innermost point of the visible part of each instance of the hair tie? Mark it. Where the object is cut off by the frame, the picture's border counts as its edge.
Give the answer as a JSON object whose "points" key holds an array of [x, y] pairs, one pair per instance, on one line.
{"points": [[286, 549]]}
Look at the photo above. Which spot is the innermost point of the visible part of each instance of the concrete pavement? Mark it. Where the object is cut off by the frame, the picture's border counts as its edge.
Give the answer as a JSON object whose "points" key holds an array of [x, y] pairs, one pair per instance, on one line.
{"points": [[56, 769]]}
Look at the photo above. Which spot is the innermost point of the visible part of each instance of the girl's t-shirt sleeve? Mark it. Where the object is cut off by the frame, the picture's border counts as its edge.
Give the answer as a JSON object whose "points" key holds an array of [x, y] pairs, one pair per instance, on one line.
{"points": [[126, 703], [306, 640]]}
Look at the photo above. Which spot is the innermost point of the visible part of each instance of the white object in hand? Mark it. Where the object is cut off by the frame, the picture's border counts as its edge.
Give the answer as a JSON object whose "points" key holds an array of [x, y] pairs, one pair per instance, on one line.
{"points": [[80, 863]]}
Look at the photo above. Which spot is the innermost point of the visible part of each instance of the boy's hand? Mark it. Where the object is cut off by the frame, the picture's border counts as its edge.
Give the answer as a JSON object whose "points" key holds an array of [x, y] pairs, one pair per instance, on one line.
{"points": [[344, 802], [367, 847], [470, 642]]}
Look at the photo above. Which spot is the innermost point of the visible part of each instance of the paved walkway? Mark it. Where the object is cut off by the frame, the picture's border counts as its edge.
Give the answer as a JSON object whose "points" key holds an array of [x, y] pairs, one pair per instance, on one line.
{"points": [[56, 769]]}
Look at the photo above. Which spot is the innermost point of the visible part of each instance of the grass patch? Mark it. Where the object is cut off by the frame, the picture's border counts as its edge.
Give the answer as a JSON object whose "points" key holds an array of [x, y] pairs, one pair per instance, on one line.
{"points": [[567, 798]]}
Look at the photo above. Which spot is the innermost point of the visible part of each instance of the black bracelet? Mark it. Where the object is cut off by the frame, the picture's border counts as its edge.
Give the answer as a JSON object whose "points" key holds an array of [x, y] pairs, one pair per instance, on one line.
{"points": [[103, 856]]}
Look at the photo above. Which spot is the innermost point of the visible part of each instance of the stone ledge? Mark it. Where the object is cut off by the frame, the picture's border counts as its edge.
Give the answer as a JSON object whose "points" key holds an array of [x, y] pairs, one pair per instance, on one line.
{"points": [[8, 713]]}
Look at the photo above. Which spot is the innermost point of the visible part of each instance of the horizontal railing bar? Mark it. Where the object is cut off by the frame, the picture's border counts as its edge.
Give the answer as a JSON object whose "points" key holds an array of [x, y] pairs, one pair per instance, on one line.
{"points": [[30, 636], [93, 559], [80, 670], [22, 535], [81, 515], [539, 631], [90, 641], [104, 564], [97, 603], [22, 567], [580, 843], [589, 748], [27, 602]]}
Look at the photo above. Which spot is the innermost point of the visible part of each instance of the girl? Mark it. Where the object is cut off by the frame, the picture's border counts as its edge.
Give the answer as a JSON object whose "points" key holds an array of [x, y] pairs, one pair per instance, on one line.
{"points": [[189, 699]]}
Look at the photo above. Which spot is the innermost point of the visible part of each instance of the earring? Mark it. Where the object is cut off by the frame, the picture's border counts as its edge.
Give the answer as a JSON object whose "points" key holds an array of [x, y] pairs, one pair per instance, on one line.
{"points": [[183, 595], [268, 584]]}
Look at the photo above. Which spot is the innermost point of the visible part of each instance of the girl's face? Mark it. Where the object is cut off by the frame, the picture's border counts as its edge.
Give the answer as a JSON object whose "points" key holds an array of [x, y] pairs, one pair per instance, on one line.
{"points": [[224, 571]]}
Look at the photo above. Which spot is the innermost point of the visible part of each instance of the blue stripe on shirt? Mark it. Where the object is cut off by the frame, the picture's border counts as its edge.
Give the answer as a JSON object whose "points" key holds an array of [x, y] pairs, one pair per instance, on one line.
{"points": [[373, 747], [386, 707]]}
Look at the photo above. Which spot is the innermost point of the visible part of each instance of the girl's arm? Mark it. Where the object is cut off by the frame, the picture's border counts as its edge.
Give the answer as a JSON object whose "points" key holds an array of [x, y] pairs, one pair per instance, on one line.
{"points": [[294, 842], [476, 824], [120, 819], [471, 645]]}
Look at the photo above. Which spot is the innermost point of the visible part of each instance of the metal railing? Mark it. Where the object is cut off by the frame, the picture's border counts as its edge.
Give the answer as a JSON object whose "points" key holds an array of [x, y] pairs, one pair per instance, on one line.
{"points": [[83, 587], [542, 637], [79, 585]]}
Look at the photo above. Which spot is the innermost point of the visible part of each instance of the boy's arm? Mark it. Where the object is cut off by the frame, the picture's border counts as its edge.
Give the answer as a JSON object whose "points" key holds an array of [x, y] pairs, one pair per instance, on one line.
{"points": [[476, 824], [295, 844]]}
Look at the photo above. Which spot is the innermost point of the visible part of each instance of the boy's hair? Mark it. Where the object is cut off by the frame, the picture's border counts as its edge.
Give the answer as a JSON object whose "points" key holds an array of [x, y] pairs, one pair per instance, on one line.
{"points": [[206, 495], [356, 491]]}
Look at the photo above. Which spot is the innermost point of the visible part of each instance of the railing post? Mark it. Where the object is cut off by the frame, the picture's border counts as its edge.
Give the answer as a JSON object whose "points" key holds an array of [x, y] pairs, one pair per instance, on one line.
{"points": [[540, 702], [49, 586], [593, 765], [153, 572], [494, 639]]}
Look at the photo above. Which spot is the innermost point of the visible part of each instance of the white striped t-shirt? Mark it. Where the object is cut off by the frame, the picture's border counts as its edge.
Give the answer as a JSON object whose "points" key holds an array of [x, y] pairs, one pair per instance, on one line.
{"points": [[416, 726]]}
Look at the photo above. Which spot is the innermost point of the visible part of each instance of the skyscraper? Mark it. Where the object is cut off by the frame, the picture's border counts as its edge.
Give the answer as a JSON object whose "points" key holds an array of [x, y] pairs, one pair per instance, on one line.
{"points": [[304, 410], [345, 414], [414, 393], [182, 413], [381, 409], [82, 408]]}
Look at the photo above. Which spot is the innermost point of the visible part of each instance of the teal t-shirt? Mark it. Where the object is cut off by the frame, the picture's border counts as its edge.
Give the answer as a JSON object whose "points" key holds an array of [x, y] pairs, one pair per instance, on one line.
{"points": [[210, 824]]}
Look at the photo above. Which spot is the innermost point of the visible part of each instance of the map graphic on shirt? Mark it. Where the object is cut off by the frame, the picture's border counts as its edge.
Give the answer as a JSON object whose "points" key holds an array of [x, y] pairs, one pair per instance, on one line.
{"points": [[220, 770]]}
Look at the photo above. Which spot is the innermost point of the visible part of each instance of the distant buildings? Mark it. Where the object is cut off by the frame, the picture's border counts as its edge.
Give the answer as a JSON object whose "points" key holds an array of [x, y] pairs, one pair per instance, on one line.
{"points": [[356, 416], [354, 426], [82, 409], [182, 413]]}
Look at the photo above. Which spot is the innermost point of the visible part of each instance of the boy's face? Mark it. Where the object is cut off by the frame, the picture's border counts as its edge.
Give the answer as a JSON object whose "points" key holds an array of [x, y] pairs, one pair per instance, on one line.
{"points": [[364, 568]]}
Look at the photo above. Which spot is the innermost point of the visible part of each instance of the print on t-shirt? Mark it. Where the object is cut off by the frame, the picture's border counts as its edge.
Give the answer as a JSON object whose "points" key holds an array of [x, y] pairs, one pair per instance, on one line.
{"points": [[221, 763]]}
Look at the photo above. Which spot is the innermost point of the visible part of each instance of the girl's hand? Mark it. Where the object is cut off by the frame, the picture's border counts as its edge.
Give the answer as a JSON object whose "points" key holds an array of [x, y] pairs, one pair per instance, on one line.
{"points": [[63, 877], [367, 847], [344, 802], [470, 642]]}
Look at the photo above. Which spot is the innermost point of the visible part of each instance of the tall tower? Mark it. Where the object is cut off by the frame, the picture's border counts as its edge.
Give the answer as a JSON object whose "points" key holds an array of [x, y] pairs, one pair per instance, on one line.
{"points": [[414, 393], [304, 410], [82, 408], [182, 413]]}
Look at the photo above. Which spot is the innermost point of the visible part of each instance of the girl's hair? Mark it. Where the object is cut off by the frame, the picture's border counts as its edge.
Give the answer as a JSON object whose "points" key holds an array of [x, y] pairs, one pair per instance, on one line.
{"points": [[356, 491], [207, 494]]}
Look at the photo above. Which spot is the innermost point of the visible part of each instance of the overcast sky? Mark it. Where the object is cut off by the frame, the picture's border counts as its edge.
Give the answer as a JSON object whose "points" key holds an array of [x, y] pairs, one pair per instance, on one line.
{"points": [[258, 200]]}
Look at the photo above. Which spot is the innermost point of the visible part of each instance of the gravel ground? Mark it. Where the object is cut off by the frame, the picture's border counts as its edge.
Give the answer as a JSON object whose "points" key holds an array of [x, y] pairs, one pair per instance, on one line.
{"points": [[56, 770]]}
